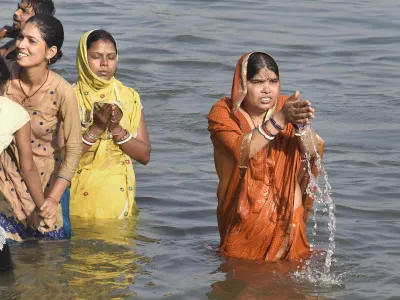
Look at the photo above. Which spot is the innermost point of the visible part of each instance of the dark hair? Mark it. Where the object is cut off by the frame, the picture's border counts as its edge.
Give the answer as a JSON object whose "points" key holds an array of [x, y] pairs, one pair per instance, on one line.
{"points": [[4, 72], [52, 32], [45, 7], [259, 60], [100, 35]]}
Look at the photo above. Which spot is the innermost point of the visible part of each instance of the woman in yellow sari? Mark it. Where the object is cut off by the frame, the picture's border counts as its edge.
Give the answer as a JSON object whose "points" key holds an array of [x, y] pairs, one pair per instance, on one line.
{"points": [[113, 133]]}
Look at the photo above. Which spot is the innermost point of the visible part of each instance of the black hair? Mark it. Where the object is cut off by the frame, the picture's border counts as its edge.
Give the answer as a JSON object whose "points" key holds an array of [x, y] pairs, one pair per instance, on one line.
{"points": [[259, 60], [44, 7], [52, 32], [4, 72], [100, 35]]}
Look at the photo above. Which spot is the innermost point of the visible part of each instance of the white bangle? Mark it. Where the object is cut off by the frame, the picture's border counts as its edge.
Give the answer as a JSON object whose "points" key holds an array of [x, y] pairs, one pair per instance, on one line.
{"points": [[264, 134], [125, 140], [299, 133], [87, 142]]}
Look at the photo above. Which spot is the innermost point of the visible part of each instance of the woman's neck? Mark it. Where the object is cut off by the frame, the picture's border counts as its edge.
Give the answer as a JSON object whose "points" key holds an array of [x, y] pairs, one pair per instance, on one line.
{"points": [[255, 115], [34, 75]]}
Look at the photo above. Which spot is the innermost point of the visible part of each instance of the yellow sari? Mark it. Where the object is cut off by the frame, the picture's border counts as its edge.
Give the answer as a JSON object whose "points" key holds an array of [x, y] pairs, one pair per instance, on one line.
{"points": [[104, 184]]}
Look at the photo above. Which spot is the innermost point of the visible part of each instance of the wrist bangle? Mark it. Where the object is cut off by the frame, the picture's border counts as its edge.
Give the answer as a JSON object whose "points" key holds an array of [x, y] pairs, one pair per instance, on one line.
{"points": [[265, 129], [117, 134], [123, 141], [276, 125], [264, 134], [91, 136], [299, 126], [87, 142], [53, 199]]}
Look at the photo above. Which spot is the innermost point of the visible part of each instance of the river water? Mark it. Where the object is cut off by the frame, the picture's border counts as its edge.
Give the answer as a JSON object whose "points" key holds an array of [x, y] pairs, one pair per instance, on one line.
{"points": [[180, 56]]}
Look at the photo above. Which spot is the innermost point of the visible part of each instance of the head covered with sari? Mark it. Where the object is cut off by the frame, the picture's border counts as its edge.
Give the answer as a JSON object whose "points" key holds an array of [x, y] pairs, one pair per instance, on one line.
{"points": [[105, 166], [256, 195]]}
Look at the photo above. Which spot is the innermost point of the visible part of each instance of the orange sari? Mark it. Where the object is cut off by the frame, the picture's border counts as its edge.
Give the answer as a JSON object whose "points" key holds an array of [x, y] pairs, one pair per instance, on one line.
{"points": [[256, 217]]}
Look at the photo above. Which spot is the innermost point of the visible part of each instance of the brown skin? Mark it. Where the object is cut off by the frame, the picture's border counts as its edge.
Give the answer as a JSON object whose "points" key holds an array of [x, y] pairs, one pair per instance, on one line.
{"points": [[23, 12], [102, 59], [32, 58], [263, 91], [30, 175]]}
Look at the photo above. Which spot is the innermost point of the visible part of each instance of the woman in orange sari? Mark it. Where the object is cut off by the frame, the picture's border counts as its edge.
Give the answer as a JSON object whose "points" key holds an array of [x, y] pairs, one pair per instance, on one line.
{"points": [[262, 203]]}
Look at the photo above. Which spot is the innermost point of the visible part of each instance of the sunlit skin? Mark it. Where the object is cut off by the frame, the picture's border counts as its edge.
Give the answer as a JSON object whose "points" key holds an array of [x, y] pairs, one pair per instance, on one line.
{"points": [[262, 93], [102, 59], [22, 14]]}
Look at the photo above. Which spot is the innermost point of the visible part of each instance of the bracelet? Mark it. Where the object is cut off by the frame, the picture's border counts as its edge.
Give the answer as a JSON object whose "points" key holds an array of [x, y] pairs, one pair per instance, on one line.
{"points": [[91, 136], [87, 142], [265, 129], [53, 199], [264, 134], [124, 137], [117, 134], [123, 141], [299, 133], [276, 125], [299, 126]]}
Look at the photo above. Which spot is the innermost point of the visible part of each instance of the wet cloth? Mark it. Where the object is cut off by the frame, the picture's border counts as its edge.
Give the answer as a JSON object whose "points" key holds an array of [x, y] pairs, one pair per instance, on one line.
{"points": [[17, 214], [256, 217], [104, 184]]}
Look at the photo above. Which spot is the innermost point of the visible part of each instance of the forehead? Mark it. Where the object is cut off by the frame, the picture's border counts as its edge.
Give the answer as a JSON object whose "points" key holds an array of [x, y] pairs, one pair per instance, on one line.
{"points": [[102, 46], [25, 4], [30, 29], [265, 73]]}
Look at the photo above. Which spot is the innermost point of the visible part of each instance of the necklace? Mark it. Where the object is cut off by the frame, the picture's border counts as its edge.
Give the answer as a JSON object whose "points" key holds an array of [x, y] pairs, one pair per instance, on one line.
{"points": [[27, 97]]}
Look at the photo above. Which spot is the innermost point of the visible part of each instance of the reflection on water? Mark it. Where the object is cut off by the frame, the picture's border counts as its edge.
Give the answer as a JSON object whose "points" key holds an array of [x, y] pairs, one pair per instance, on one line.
{"points": [[100, 260]]}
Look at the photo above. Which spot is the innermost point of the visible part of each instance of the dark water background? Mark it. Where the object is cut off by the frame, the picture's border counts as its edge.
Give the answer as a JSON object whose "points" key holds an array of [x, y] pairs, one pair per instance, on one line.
{"points": [[180, 55]]}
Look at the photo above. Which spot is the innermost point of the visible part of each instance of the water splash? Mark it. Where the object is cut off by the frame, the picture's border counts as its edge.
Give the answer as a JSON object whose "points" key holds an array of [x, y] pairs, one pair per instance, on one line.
{"points": [[320, 196]]}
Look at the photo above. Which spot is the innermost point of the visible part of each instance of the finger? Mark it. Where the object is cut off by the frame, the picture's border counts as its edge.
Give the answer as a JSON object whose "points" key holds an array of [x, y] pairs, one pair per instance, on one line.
{"points": [[295, 96], [44, 206]]}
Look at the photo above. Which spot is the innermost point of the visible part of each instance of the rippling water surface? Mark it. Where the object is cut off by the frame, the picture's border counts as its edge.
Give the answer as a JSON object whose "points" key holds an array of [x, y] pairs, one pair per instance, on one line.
{"points": [[180, 55]]}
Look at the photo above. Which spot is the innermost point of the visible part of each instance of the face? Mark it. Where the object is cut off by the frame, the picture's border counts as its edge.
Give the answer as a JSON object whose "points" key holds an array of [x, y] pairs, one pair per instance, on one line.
{"points": [[22, 14], [31, 47], [262, 91], [102, 58]]}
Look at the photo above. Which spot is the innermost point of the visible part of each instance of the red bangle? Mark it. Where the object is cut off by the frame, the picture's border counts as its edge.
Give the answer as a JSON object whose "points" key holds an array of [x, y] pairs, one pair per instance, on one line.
{"points": [[53, 199], [264, 127]]}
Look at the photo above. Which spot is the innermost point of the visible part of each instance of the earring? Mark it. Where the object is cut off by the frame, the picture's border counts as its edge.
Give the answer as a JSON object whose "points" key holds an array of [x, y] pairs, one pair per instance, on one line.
{"points": [[48, 60]]}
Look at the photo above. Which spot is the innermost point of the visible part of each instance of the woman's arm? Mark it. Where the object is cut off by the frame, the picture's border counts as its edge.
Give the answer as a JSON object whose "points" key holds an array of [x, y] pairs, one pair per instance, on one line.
{"points": [[29, 172], [138, 148], [69, 115]]}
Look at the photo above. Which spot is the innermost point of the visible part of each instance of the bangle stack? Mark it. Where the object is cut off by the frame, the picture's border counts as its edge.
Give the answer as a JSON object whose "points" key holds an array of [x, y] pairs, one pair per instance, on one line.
{"points": [[262, 129], [91, 136], [127, 137]]}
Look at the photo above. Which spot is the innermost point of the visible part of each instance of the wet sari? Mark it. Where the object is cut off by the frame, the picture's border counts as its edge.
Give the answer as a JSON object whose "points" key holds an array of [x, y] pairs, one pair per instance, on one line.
{"points": [[256, 216]]}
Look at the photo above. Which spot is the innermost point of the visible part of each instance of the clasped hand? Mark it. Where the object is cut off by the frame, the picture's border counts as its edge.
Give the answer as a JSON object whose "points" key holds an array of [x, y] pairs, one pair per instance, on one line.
{"points": [[297, 111], [107, 116]]}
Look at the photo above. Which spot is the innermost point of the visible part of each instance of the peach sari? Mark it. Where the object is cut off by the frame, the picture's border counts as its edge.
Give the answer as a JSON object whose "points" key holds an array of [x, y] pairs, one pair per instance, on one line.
{"points": [[256, 217]]}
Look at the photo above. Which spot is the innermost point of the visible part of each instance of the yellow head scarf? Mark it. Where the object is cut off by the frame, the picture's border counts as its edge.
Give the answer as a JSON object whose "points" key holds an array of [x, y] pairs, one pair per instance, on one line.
{"points": [[90, 88]]}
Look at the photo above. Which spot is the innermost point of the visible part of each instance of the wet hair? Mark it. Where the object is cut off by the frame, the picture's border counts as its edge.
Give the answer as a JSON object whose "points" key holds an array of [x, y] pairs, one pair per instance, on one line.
{"points": [[100, 35], [4, 72], [52, 32], [44, 7], [259, 60]]}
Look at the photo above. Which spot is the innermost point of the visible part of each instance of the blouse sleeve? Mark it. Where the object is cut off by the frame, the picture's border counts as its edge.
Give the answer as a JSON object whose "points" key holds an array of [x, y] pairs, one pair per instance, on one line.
{"points": [[69, 114]]}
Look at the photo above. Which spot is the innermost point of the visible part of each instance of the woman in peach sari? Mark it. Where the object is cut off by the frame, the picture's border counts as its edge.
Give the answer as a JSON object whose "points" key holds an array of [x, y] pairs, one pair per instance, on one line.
{"points": [[262, 204]]}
